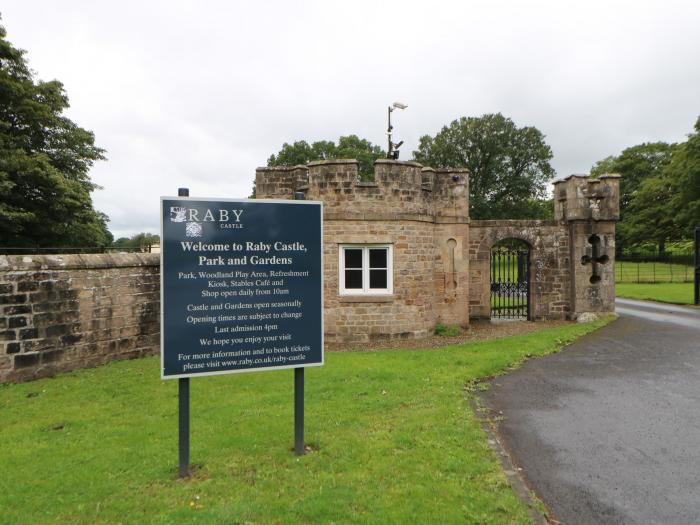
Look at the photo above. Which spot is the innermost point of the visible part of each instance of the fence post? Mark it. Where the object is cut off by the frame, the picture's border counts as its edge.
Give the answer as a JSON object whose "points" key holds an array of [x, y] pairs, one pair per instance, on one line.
{"points": [[696, 260]]}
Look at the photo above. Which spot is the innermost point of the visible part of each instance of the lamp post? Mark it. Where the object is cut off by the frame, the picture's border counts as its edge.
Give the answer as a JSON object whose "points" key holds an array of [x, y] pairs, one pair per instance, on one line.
{"points": [[393, 150]]}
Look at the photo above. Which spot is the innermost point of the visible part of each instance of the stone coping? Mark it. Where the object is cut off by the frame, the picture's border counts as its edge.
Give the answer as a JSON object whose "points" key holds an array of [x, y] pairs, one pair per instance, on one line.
{"points": [[77, 261], [399, 162], [281, 168], [332, 162], [584, 176]]}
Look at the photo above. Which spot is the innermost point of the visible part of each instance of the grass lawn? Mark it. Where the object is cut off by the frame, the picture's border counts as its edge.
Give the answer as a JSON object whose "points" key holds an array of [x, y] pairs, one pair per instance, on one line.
{"points": [[394, 442], [677, 293]]}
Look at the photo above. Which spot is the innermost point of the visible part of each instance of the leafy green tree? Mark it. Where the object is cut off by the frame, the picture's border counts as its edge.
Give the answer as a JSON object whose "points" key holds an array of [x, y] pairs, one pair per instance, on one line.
{"points": [[660, 191], [139, 241], [44, 163], [684, 168], [509, 165], [348, 147], [650, 215], [635, 164]]}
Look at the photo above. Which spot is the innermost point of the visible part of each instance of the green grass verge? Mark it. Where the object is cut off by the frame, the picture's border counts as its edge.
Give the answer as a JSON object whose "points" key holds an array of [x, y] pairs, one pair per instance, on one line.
{"points": [[677, 293], [395, 442]]}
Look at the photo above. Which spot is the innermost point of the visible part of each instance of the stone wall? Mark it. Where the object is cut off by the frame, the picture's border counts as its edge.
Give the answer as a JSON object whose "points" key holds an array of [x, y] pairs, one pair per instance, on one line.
{"points": [[63, 312]]}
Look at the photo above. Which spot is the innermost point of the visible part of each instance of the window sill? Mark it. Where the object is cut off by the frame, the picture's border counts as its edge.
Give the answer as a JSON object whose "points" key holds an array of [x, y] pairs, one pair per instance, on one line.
{"points": [[388, 298]]}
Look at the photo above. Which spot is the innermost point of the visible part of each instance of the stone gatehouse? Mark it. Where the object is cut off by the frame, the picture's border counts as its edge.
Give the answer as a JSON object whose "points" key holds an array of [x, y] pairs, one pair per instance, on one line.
{"points": [[402, 255]]}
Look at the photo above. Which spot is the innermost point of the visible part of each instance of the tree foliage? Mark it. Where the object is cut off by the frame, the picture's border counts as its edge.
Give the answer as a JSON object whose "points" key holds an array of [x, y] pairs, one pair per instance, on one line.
{"points": [[44, 163], [138, 241], [685, 169], [660, 191], [348, 147], [509, 165], [635, 164]]}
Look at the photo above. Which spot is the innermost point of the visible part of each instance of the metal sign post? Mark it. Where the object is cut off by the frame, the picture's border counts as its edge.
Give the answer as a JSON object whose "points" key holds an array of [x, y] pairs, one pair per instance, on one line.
{"points": [[183, 402], [299, 391]]}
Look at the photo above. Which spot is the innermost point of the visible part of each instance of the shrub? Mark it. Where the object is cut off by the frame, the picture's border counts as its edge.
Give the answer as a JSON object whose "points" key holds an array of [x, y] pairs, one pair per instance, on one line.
{"points": [[447, 330]]}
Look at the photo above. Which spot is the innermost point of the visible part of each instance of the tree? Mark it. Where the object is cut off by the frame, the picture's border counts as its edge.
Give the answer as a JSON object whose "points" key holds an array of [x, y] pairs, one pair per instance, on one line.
{"points": [[650, 215], [44, 163], [509, 165], [684, 168], [638, 164], [660, 191], [138, 241], [635, 164], [348, 147]]}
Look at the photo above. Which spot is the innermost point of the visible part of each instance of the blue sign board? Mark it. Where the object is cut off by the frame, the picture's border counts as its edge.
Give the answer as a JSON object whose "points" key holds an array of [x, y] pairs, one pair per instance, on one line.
{"points": [[241, 285]]}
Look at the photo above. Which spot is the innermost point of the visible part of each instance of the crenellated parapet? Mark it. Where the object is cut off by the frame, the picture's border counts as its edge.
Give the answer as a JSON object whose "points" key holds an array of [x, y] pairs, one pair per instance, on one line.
{"points": [[279, 182], [400, 189], [579, 197]]}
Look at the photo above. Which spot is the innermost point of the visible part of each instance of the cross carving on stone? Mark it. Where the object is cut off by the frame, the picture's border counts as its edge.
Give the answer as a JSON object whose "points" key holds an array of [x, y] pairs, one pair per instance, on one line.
{"points": [[595, 259]]}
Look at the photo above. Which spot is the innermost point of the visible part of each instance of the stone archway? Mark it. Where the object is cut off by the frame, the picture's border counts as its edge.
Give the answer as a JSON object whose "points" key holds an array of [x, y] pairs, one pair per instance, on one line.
{"points": [[549, 272]]}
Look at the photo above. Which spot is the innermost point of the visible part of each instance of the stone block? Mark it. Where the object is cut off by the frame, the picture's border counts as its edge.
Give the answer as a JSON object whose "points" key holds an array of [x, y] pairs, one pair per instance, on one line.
{"points": [[26, 360]]}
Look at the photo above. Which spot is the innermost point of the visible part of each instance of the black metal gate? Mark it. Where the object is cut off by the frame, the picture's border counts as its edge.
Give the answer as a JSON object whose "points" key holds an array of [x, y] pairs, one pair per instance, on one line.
{"points": [[510, 280]]}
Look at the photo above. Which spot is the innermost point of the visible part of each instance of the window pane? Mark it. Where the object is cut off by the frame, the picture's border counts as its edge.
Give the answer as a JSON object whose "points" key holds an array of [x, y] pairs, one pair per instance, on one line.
{"points": [[377, 279], [377, 257], [353, 279], [353, 258]]}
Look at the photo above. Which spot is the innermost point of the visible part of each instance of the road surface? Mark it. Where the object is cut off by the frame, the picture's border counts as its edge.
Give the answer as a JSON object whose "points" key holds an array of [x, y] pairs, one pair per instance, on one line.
{"points": [[608, 430]]}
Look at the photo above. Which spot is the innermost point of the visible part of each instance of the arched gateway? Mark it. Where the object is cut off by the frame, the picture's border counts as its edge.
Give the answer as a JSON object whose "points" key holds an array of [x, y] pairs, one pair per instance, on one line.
{"points": [[510, 280]]}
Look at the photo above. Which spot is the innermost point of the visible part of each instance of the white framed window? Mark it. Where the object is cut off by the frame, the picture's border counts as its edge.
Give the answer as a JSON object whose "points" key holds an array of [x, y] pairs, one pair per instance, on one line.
{"points": [[366, 269]]}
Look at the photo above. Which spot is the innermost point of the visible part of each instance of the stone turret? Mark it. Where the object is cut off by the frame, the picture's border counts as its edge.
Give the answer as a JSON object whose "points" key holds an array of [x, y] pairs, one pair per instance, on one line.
{"points": [[419, 215]]}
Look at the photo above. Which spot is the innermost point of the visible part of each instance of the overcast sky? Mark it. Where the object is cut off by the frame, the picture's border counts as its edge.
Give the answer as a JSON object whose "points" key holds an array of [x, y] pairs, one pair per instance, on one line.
{"points": [[200, 93]]}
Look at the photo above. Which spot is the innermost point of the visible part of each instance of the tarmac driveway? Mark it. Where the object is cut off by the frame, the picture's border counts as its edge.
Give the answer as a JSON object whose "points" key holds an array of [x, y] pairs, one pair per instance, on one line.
{"points": [[608, 430]]}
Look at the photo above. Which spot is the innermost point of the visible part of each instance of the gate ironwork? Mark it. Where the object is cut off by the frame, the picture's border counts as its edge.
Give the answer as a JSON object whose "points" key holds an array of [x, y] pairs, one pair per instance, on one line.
{"points": [[510, 281]]}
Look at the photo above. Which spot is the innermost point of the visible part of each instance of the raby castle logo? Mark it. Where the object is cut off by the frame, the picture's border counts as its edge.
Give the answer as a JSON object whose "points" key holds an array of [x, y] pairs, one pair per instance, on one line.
{"points": [[195, 219]]}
